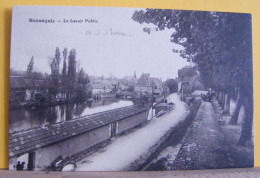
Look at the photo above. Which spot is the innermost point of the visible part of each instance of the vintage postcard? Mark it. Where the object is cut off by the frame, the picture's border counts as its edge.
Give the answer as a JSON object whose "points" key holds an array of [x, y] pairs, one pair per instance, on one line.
{"points": [[129, 89]]}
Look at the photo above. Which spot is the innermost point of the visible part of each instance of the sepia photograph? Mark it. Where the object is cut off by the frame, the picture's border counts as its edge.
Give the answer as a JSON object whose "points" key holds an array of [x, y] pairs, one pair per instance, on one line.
{"points": [[130, 89]]}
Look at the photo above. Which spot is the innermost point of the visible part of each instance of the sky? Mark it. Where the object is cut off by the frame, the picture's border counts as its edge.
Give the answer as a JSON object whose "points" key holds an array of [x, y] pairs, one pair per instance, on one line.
{"points": [[115, 45]]}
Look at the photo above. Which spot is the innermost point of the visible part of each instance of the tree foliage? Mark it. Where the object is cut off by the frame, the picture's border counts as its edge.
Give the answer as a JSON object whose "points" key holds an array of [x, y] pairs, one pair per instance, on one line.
{"points": [[64, 71], [30, 72], [220, 44], [83, 78], [68, 83], [54, 77], [30, 67], [72, 66], [64, 68], [172, 85]]}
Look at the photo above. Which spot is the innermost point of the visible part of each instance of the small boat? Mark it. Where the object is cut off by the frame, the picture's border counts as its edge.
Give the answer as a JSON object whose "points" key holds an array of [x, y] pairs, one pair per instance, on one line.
{"points": [[161, 113], [165, 109]]}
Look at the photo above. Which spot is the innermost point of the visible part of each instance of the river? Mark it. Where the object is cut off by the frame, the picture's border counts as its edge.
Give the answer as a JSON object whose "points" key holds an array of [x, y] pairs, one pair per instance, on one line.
{"points": [[22, 119]]}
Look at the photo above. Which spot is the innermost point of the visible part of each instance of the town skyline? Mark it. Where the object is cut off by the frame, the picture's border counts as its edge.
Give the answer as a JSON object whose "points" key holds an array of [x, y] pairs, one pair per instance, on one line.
{"points": [[109, 76]]}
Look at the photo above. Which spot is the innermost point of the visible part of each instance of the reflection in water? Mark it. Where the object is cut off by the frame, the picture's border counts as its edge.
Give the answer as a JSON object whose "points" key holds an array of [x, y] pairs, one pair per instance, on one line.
{"points": [[21, 119]]}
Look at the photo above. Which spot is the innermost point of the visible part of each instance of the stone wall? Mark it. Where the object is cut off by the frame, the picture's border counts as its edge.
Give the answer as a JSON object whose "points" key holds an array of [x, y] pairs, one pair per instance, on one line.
{"points": [[131, 122], [45, 155]]}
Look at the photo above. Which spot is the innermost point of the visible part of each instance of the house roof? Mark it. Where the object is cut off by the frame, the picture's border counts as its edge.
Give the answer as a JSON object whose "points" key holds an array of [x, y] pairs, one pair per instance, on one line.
{"points": [[128, 80], [23, 141], [146, 80], [155, 81]]}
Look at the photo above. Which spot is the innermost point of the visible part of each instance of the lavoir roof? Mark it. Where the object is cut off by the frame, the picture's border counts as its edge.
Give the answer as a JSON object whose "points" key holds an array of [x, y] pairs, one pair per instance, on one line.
{"points": [[24, 141]]}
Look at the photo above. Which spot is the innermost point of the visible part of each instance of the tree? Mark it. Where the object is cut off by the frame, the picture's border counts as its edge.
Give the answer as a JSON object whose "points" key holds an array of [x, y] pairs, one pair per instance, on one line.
{"points": [[64, 71], [102, 77], [220, 44], [82, 75], [57, 57], [82, 86], [83, 78], [71, 76], [130, 88], [234, 117], [172, 85], [30, 67], [54, 77], [30, 73]]}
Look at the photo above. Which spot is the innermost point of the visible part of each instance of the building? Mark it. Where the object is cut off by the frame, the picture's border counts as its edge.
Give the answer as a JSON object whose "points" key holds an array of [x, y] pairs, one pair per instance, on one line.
{"points": [[73, 139], [148, 86], [100, 89], [18, 89], [127, 83], [22, 89]]}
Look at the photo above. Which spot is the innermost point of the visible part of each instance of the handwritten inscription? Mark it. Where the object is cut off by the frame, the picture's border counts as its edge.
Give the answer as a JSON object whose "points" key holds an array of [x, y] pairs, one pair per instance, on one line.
{"points": [[107, 32]]}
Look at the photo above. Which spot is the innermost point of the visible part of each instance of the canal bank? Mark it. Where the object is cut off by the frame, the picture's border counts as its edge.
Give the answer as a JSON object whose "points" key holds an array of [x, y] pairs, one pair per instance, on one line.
{"points": [[123, 151], [163, 153]]}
